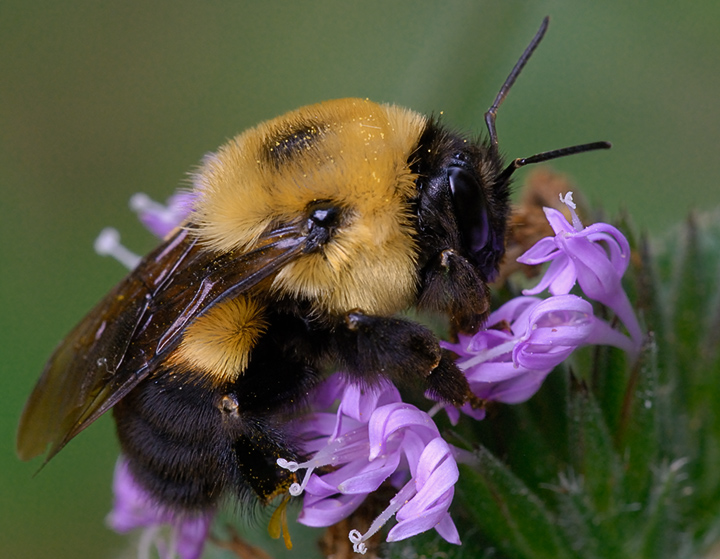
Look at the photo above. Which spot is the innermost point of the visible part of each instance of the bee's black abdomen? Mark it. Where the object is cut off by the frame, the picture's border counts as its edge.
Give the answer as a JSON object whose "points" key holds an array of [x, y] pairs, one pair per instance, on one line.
{"points": [[169, 432], [188, 442]]}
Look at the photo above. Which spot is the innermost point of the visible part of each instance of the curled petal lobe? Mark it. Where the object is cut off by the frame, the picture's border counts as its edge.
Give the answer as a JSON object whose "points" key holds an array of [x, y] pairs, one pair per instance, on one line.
{"points": [[518, 389], [447, 530], [391, 418], [542, 251], [322, 512]]}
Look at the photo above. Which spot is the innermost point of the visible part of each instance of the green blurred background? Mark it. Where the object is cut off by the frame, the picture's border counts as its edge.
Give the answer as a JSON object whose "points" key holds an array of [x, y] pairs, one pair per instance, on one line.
{"points": [[100, 100]]}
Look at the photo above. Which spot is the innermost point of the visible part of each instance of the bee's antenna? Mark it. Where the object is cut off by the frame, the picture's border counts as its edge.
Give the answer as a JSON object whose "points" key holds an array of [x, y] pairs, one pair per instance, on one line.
{"points": [[548, 155], [491, 114]]}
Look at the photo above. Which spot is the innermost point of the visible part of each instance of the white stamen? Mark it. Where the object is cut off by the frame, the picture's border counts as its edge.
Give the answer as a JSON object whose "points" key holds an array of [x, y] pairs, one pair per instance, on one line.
{"points": [[141, 202], [108, 244], [290, 465], [149, 536], [174, 535], [356, 538], [348, 447], [489, 354], [435, 409], [396, 503], [568, 201], [296, 489]]}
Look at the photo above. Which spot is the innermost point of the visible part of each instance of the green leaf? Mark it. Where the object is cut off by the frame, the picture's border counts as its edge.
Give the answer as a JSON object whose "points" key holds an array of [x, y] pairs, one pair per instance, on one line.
{"points": [[430, 545], [508, 513], [637, 437], [592, 450], [694, 292], [661, 536], [689, 262], [534, 428], [652, 304], [609, 382], [588, 531]]}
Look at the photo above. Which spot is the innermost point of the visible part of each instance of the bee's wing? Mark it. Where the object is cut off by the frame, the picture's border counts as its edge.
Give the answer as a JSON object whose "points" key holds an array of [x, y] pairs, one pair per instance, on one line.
{"points": [[84, 367], [127, 335]]}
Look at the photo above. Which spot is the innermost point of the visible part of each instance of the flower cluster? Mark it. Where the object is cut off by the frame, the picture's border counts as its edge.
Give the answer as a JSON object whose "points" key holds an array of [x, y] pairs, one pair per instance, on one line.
{"points": [[596, 257], [372, 438], [528, 337]]}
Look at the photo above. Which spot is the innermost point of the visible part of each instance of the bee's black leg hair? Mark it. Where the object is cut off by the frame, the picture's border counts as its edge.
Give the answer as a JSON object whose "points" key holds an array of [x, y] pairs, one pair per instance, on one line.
{"points": [[453, 285], [447, 382], [401, 350]]}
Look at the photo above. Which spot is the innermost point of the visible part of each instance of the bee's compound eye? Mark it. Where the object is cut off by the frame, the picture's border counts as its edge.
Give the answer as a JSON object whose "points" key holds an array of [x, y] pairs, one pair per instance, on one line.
{"points": [[470, 209], [484, 245], [228, 405]]}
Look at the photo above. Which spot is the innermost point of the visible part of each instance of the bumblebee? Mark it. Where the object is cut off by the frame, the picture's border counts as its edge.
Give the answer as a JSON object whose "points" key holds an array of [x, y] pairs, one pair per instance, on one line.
{"points": [[309, 235]]}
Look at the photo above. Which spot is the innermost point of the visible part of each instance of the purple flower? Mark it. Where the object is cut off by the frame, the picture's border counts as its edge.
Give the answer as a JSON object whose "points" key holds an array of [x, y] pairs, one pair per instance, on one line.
{"points": [[135, 508], [159, 219], [576, 254], [526, 339], [371, 438]]}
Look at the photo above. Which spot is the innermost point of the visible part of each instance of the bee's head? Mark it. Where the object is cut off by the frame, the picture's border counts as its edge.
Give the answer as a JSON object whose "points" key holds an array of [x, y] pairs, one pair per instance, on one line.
{"points": [[462, 209], [461, 206]]}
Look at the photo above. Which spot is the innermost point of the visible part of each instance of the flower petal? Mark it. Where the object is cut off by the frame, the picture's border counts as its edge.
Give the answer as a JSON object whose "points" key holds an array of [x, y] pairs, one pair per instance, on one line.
{"points": [[518, 389], [542, 251], [388, 419], [135, 508], [430, 518], [328, 511], [191, 535], [447, 530]]}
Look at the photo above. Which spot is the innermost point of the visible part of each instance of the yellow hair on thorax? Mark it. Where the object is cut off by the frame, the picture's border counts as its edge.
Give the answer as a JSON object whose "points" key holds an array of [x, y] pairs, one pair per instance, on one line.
{"points": [[352, 153]]}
